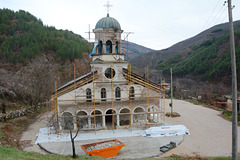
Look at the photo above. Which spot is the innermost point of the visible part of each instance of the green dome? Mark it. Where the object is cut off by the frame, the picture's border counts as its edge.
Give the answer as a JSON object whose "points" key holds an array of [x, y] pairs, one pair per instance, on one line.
{"points": [[108, 22]]}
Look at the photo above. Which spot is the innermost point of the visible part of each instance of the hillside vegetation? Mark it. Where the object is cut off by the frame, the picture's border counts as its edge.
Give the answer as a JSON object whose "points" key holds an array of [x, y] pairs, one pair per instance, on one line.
{"points": [[23, 36], [183, 47], [210, 60]]}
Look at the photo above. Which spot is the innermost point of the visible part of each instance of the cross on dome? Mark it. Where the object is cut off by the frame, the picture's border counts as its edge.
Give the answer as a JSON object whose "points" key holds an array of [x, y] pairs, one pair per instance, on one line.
{"points": [[108, 6]]}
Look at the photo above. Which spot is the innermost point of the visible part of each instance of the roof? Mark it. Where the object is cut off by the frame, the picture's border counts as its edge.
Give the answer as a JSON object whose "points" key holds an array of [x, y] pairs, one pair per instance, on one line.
{"points": [[88, 78], [80, 81], [142, 81], [108, 22]]}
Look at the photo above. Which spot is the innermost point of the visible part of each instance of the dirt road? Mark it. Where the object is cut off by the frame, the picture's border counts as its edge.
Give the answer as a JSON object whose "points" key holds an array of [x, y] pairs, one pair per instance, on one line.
{"points": [[29, 137], [211, 135]]}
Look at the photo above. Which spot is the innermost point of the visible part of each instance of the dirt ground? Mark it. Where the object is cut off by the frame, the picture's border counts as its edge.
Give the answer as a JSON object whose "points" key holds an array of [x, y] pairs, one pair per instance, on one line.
{"points": [[11, 130], [29, 137], [210, 133]]}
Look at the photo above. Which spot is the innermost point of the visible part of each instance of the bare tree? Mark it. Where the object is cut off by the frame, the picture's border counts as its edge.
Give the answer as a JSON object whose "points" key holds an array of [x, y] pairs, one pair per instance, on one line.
{"points": [[72, 140], [35, 82]]}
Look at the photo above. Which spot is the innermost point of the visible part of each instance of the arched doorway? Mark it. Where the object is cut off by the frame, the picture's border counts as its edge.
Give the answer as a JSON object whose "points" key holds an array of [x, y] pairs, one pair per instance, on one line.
{"points": [[109, 119], [152, 117], [98, 118], [139, 117], [124, 117], [67, 121], [82, 119]]}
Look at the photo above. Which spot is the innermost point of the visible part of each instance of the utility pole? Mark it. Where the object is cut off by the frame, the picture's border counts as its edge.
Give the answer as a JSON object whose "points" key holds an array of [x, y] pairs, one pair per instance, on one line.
{"points": [[234, 86], [171, 93]]}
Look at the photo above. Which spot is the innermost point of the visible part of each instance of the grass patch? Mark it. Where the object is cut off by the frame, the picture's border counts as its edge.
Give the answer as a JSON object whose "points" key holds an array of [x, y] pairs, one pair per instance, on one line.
{"points": [[228, 115], [14, 154], [1, 134]]}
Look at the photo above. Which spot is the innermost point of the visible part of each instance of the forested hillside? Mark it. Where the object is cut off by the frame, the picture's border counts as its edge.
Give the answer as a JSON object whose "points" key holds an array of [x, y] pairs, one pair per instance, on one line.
{"points": [[23, 36], [182, 47], [209, 60]]}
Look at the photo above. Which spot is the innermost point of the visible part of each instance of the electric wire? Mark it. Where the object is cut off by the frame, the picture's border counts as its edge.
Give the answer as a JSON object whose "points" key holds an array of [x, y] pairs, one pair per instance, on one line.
{"points": [[210, 15], [215, 18]]}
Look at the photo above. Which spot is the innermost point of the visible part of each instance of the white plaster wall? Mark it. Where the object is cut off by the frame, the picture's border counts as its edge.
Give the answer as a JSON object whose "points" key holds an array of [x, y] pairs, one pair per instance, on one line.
{"points": [[109, 57]]}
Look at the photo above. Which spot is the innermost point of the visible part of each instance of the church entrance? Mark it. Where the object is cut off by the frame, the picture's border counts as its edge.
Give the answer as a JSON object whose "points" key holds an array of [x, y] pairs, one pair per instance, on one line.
{"points": [[109, 119]]}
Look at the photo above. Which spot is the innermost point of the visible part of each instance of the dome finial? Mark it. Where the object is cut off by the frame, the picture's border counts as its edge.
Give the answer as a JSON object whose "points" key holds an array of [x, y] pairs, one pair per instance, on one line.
{"points": [[108, 7]]}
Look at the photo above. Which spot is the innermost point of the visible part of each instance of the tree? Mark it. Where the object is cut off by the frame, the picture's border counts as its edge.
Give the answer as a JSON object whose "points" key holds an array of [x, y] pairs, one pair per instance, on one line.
{"points": [[35, 83], [72, 140]]}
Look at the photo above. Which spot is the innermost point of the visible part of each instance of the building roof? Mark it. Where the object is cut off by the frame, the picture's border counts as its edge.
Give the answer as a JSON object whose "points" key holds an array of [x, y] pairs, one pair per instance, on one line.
{"points": [[83, 80], [108, 22], [142, 81], [88, 78]]}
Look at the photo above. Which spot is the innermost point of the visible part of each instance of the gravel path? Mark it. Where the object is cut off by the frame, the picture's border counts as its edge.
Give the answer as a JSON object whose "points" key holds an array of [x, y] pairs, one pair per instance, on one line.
{"points": [[211, 135], [29, 137]]}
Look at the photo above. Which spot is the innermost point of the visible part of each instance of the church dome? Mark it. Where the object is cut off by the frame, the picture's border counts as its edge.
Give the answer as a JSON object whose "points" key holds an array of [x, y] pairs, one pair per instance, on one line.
{"points": [[108, 22]]}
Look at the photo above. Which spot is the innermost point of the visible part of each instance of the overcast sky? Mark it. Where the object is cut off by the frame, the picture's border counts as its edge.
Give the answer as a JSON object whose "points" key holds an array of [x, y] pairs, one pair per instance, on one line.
{"points": [[156, 24]]}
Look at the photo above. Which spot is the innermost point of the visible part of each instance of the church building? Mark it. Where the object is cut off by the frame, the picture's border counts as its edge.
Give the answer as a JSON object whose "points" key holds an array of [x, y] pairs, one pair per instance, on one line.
{"points": [[111, 96]]}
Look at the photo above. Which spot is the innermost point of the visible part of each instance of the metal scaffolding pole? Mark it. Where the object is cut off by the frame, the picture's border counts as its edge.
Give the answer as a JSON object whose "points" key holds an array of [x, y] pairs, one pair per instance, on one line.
{"points": [[147, 96], [75, 93], [130, 98], [112, 97], [56, 106], [94, 101]]}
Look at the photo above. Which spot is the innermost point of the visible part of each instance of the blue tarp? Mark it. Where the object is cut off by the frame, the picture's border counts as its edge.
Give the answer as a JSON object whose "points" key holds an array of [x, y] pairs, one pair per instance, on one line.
{"points": [[94, 49]]}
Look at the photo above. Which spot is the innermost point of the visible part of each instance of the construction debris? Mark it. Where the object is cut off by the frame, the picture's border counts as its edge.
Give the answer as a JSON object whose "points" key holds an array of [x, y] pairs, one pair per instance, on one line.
{"points": [[166, 131], [106, 149], [103, 145], [168, 147]]}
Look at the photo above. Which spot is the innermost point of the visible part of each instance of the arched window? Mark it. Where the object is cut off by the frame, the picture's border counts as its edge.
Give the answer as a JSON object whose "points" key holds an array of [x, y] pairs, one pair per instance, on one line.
{"points": [[108, 46], [100, 47], [88, 95], [118, 94], [116, 47], [103, 94], [131, 93]]}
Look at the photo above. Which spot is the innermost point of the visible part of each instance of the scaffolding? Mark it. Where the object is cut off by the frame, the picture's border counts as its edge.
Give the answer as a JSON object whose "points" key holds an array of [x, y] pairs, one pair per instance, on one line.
{"points": [[145, 96]]}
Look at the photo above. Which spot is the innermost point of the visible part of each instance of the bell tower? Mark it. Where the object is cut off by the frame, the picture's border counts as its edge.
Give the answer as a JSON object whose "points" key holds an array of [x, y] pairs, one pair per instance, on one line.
{"points": [[107, 40], [107, 58]]}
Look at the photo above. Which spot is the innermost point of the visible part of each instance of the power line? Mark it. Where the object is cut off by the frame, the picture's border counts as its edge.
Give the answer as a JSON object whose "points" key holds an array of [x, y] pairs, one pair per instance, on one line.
{"points": [[219, 16], [220, 12], [211, 15]]}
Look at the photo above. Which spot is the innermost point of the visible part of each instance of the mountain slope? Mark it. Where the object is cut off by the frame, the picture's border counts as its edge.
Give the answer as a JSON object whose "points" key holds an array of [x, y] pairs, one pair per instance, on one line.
{"points": [[182, 48], [209, 60], [132, 50], [23, 36]]}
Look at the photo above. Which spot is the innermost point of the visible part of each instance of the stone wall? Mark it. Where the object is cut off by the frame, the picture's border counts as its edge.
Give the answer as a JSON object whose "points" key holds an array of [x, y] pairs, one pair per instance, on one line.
{"points": [[19, 113]]}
